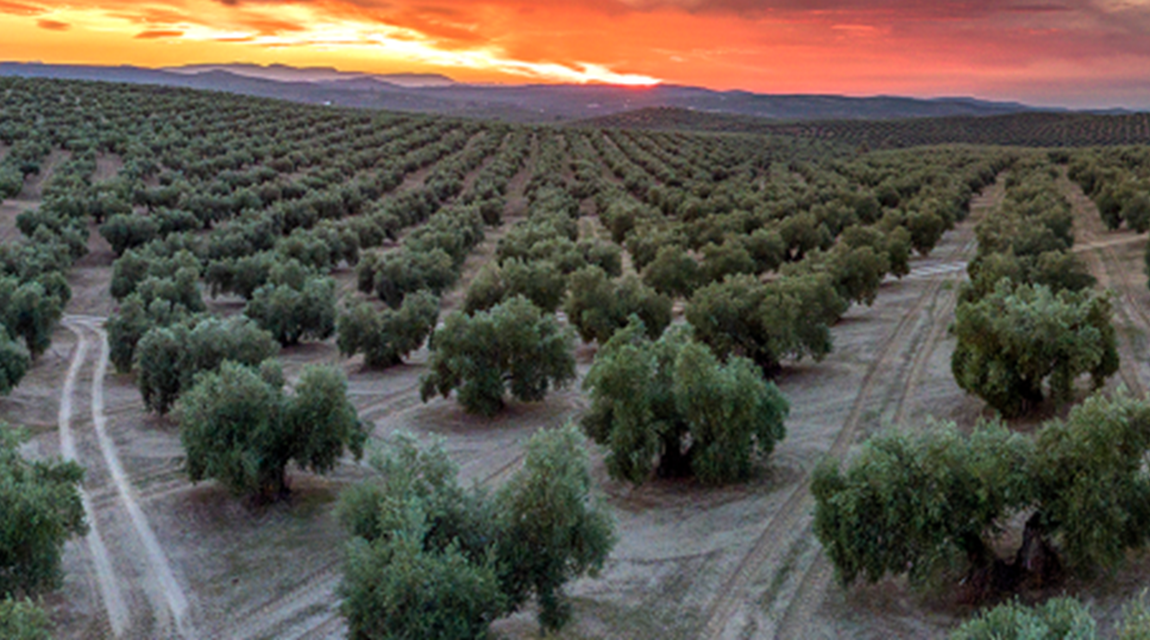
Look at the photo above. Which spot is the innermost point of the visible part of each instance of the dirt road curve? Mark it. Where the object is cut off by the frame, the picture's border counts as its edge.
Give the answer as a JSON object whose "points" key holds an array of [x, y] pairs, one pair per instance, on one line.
{"points": [[165, 609]]}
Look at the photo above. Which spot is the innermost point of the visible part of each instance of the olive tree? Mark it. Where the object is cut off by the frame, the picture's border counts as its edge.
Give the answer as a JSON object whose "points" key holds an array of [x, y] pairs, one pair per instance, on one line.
{"points": [[550, 530], [14, 362], [767, 322], [431, 559], [29, 311], [41, 507], [386, 337], [239, 427], [921, 504], [673, 272], [671, 406], [933, 505], [514, 346], [598, 306], [168, 358], [1056, 618], [294, 306], [1019, 340], [540, 281]]}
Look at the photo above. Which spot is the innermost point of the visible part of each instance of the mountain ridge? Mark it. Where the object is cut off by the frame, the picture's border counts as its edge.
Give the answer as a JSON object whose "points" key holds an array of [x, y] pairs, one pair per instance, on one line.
{"points": [[528, 103]]}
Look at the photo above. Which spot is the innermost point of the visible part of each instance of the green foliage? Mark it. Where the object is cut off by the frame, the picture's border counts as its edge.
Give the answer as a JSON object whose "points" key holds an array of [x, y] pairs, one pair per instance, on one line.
{"points": [[41, 507], [1056, 619], [1091, 483], [934, 504], [550, 531], [767, 322], [393, 589], [429, 559], [514, 345], [1019, 339], [540, 281], [14, 362], [1135, 619], [127, 327], [672, 406], [728, 258], [242, 430], [673, 272], [293, 313], [30, 312], [125, 232], [168, 358], [926, 228], [23, 620], [598, 307], [922, 504], [386, 337]]}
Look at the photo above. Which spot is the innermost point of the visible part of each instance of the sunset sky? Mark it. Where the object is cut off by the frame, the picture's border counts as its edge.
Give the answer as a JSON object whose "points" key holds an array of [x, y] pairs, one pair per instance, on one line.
{"points": [[1076, 53]]}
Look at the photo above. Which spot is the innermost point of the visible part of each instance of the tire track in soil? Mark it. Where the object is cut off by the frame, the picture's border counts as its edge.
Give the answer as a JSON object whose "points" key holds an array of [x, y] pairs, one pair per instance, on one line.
{"points": [[106, 580], [816, 579], [171, 603], [768, 548], [793, 511]]}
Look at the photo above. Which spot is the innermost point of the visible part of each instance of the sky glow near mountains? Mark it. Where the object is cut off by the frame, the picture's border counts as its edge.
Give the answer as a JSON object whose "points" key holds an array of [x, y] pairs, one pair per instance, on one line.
{"points": [[1076, 53]]}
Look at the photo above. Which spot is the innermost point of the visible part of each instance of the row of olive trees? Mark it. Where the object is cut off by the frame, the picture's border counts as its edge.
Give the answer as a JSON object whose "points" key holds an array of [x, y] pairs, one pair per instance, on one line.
{"points": [[1027, 324]]}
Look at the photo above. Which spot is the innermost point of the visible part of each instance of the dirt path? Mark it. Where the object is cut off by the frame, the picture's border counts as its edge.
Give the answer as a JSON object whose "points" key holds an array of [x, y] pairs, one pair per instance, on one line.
{"points": [[109, 584], [169, 602]]}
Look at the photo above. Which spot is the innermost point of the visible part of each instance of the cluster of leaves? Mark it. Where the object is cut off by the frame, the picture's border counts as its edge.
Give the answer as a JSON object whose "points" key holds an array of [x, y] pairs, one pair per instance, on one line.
{"points": [[598, 306], [1063, 617], [670, 406], [42, 510], [1022, 344], [767, 322], [386, 337], [239, 427], [429, 559], [933, 504], [168, 358], [294, 304], [513, 346]]}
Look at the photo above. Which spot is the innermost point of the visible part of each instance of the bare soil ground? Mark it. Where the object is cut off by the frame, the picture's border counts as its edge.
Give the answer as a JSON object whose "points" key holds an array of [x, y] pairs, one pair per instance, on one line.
{"points": [[170, 559]]}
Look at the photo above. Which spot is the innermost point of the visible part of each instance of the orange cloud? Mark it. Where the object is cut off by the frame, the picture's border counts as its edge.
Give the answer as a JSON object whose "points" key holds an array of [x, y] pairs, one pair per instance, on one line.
{"points": [[159, 33], [1047, 51], [20, 8], [53, 25]]}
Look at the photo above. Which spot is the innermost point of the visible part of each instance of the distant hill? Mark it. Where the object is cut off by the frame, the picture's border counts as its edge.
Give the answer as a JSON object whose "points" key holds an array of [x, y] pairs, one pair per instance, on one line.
{"points": [[520, 103], [1030, 129], [284, 73]]}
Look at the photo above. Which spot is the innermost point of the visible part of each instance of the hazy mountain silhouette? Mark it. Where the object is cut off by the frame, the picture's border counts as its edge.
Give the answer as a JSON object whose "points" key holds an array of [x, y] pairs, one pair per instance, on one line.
{"points": [[431, 93]]}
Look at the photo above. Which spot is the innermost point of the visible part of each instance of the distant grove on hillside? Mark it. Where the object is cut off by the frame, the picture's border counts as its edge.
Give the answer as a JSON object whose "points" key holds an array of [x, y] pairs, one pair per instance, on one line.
{"points": [[1029, 129]]}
